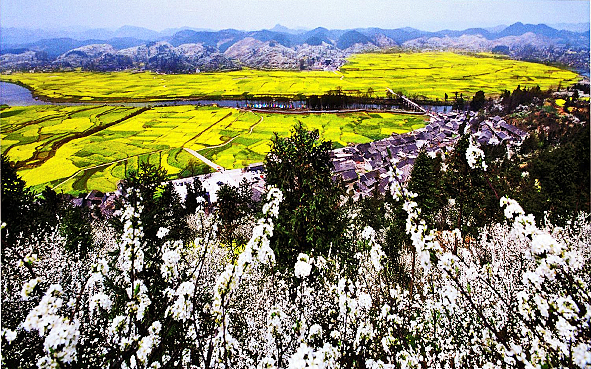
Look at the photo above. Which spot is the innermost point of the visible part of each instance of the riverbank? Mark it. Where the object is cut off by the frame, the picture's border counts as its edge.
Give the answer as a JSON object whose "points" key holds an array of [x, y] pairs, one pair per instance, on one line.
{"points": [[17, 94]]}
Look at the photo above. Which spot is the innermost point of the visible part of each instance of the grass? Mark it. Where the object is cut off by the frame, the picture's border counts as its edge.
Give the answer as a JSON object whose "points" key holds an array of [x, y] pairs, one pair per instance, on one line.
{"points": [[428, 75], [57, 146]]}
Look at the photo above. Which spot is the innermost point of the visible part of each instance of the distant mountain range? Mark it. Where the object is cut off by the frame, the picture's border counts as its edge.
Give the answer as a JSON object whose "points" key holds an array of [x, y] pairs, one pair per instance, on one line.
{"points": [[191, 50]]}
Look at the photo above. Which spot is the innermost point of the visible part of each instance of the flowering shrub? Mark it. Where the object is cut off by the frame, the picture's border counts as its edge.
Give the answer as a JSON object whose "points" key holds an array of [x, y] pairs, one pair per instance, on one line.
{"points": [[516, 296]]}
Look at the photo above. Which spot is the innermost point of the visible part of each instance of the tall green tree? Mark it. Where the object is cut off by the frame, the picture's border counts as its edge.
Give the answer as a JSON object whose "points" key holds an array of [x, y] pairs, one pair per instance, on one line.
{"points": [[425, 182], [195, 192], [25, 215], [478, 101], [475, 196], [310, 216], [234, 204], [148, 187], [560, 175]]}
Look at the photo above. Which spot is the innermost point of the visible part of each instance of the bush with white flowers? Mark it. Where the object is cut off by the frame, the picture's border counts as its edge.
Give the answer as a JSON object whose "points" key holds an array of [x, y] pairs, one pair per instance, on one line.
{"points": [[517, 296]]}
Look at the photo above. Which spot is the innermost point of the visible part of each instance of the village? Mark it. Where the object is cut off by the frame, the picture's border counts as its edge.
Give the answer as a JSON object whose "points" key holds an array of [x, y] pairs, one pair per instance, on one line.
{"points": [[362, 167]]}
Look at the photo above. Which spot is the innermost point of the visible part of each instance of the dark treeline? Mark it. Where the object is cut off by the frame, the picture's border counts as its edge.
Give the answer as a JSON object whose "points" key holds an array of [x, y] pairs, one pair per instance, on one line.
{"points": [[336, 100]]}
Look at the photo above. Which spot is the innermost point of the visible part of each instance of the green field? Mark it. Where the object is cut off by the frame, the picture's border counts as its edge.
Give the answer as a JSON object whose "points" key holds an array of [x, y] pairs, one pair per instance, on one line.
{"points": [[76, 149], [427, 75]]}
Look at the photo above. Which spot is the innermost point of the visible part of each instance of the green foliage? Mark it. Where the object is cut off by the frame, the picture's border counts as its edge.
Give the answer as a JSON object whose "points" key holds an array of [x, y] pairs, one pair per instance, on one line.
{"points": [[195, 191], [396, 243], [478, 101], [25, 216], [559, 179], [386, 216], [160, 203], [76, 227], [310, 218], [156, 205], [459, 104], [425, 182], [476, 200], [521, 96], [234, 205]]}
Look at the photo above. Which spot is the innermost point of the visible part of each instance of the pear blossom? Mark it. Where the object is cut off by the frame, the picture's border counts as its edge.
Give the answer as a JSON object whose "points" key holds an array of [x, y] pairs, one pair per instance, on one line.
{"points": [[303, 266], [28, 288], [475, 156], [9, 335]]}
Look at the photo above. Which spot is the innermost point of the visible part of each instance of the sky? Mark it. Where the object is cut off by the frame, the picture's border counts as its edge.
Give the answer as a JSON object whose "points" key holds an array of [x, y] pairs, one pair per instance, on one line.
{"points": [[428, 15]]}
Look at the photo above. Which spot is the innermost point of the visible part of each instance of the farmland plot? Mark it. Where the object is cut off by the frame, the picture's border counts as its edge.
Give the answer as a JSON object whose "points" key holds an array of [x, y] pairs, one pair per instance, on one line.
{"points": [[76, 149]]}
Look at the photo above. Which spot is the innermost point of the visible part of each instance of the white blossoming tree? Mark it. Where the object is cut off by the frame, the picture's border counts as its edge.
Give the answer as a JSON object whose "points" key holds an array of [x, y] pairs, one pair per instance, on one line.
{"points": [[515, 296]]}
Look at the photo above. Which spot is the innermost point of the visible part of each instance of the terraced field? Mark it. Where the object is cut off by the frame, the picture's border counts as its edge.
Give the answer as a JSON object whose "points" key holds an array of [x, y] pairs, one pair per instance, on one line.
{"points": [[427, 75], [76, 149]]}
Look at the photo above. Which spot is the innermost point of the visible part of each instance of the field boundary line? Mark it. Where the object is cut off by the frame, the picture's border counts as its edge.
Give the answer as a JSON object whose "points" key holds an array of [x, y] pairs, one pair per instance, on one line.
{"points": [[235, 137], [104, 165], [55, 145], [257, 123], [206, 129]]}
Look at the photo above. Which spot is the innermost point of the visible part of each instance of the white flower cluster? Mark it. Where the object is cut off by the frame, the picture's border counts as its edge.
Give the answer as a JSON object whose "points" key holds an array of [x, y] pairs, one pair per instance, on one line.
{"points": [[162, 232], [424, 242], [131, 255], [376, 253], [515, 297], [148, 342], [171, 255], [139, 299], [100, 269], [182, 308], [274, 322], [303, 266], [119, 324], [324, 357], [28, 288], [62, 333], [102, 300], [257, 249], [395, 178], [546, 325], [541, 300], [475, 156], [28, 260], [10, 335]]}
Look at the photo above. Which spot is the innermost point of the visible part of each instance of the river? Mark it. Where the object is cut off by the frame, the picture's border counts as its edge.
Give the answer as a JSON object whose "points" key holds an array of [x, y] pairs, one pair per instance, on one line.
{"points": [[15, 95]]}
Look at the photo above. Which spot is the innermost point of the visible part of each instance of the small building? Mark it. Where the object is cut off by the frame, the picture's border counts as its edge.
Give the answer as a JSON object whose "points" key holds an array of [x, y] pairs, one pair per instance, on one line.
{"points": [[344, 165], [349, 175]]}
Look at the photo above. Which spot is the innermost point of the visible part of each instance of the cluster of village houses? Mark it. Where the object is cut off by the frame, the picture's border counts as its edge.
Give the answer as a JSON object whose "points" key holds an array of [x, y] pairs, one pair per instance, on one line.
{"points": [[362, 167]]}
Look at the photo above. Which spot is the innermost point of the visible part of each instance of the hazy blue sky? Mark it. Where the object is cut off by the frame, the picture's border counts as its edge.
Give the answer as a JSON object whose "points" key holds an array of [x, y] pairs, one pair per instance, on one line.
{"points": [[258, 14]]}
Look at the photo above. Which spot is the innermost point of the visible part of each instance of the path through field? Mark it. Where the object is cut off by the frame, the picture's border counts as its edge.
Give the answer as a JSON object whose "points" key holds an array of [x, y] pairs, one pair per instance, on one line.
{"points": [[408, 101], [215, 166], [209, 162]]}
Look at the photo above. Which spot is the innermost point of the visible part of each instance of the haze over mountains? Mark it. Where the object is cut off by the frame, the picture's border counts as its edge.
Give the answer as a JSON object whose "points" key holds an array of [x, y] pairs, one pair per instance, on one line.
{"points": [[189, 50]]}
